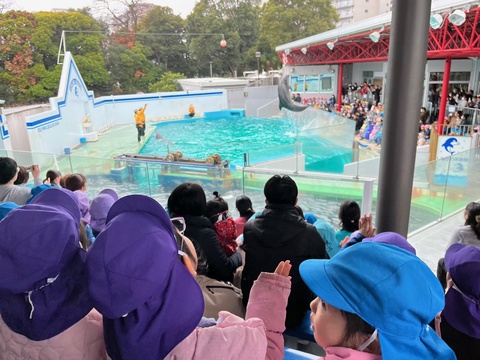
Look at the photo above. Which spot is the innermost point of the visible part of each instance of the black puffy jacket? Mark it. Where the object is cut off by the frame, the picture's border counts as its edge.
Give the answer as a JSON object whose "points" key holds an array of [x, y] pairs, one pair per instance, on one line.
{"points": [[220, 266], [278, 234]]}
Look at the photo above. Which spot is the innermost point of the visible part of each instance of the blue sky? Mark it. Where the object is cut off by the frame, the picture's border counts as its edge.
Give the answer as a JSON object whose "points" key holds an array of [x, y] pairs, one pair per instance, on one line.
{"points": [[183, 7]]}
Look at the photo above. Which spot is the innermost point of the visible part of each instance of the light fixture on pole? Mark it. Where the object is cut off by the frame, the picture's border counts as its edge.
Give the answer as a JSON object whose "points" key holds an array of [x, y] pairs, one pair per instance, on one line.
{"points": [[223, 42], [436, 21], [375, 36], [457, 17], [257, 55], [331, 44]]}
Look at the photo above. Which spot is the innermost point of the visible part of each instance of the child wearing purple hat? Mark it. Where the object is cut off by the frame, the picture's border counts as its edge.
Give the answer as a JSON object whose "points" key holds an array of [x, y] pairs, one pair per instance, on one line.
{"points": [[45, 309], [99, 208], [459, 322], [84, 206], [152, 305]]}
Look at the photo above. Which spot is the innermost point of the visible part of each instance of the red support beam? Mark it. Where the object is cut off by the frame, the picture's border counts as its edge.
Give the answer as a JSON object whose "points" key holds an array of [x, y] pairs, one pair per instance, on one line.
{"points": [[443, 99], [456, 42], [340, 86]]}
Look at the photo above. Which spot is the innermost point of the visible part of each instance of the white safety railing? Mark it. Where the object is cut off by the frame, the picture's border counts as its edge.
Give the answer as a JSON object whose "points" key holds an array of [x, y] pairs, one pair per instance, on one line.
{"points": [[268, 105]]}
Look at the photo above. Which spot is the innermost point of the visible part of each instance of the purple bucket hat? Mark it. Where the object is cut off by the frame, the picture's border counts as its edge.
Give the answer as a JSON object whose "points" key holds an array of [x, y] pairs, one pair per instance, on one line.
{"points": [[462, 301], [149, 300], [84, 205], [99, 208], [391, 238], [44, 264]]}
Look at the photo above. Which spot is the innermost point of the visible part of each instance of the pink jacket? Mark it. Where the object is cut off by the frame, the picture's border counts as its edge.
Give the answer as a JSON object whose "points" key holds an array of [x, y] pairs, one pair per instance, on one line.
{"points": [[258, 337], [341, 353], [82, 341]]}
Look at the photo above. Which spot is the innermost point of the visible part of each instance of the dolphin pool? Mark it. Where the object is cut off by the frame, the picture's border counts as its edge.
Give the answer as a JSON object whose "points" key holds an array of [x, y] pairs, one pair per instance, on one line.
{"points": [[264, 139]]}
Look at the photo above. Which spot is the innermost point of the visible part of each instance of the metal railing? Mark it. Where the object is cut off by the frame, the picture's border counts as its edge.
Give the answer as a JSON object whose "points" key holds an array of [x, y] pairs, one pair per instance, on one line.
{"points": [[267, 106]]}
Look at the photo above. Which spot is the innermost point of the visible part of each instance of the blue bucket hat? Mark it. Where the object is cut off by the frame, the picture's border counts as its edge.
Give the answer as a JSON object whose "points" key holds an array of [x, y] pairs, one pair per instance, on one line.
{"points": [[149, 300], [43, 289], [38, 190], [6, 207], [389, 288], [310, 218]]}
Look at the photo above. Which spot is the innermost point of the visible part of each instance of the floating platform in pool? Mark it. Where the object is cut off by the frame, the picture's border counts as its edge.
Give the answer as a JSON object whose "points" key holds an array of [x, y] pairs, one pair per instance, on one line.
{"points": [[214, 160], [173, 169]]}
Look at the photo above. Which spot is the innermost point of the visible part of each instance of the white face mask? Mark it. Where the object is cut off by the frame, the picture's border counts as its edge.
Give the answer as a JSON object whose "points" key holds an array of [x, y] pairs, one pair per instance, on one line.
{"points": [[368, 341]]}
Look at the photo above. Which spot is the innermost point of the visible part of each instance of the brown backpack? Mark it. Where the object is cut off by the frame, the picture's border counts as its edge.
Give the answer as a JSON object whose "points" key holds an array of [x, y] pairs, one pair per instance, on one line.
{"points": [[220, 296]]}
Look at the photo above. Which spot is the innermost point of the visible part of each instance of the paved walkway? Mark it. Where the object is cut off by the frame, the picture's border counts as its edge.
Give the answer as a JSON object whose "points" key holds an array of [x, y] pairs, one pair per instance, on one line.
{"points": [[430, 243]]}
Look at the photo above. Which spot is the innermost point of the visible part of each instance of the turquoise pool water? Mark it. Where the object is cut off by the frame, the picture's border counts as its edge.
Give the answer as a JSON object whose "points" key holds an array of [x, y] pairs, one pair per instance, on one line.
{"points": [[263, 139]]}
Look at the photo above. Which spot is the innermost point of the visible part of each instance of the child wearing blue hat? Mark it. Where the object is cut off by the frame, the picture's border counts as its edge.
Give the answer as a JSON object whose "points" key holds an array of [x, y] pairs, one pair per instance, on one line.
{"points": [[374, 301]]}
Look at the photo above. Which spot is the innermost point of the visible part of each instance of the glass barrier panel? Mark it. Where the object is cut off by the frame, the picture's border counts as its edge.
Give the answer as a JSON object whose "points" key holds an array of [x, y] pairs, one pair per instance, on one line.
{"points": [[118, 175], [427, 194], [327, 159], [321, 197], [281, 157], [463, 181]]}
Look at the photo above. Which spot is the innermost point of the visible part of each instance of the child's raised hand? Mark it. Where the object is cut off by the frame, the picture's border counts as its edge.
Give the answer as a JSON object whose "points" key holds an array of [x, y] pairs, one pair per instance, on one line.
{"points": [[283, 268], [344, 241], [365, 226]]}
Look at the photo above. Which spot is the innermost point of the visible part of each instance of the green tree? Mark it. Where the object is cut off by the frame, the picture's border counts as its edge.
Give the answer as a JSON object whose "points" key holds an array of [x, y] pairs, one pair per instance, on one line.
{"points": [[16, 53], [283, 21], [237, 20], [167, 82], [83, 38], [163, 32], [130, 69]]}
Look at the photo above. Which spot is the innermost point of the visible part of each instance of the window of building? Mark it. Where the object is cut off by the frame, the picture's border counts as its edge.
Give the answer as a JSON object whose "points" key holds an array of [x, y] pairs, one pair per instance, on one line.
{"points": [[366, 11], [368, 76], [297, 83], [454, 76], [326, 83], [312, 83]]}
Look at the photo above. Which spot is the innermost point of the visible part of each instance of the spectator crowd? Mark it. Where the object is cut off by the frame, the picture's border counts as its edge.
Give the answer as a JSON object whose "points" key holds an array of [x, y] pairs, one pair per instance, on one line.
{"points": [[127, 278]]}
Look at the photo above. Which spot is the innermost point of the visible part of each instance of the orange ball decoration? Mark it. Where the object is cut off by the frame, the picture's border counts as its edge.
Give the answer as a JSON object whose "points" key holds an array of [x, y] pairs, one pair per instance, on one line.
{"points": [[223, 43]]}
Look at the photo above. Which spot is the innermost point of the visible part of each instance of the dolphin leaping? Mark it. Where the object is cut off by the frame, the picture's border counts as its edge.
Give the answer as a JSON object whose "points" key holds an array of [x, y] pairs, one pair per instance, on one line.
{"points": [[285, 101]]}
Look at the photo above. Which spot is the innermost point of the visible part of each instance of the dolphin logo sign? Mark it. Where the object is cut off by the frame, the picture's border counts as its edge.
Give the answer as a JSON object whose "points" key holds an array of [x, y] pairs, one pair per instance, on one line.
{"points": [[285, 100], [449, 144]]}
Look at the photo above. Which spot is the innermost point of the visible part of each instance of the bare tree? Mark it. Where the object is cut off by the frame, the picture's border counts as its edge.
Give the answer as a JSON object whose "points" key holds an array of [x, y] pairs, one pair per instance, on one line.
{"points": [[124, 14], [6, 5]]}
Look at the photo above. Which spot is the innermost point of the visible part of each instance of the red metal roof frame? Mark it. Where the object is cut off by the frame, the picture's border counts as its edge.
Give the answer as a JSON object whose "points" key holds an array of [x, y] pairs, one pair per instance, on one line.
{"points": [[449, 41]]}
